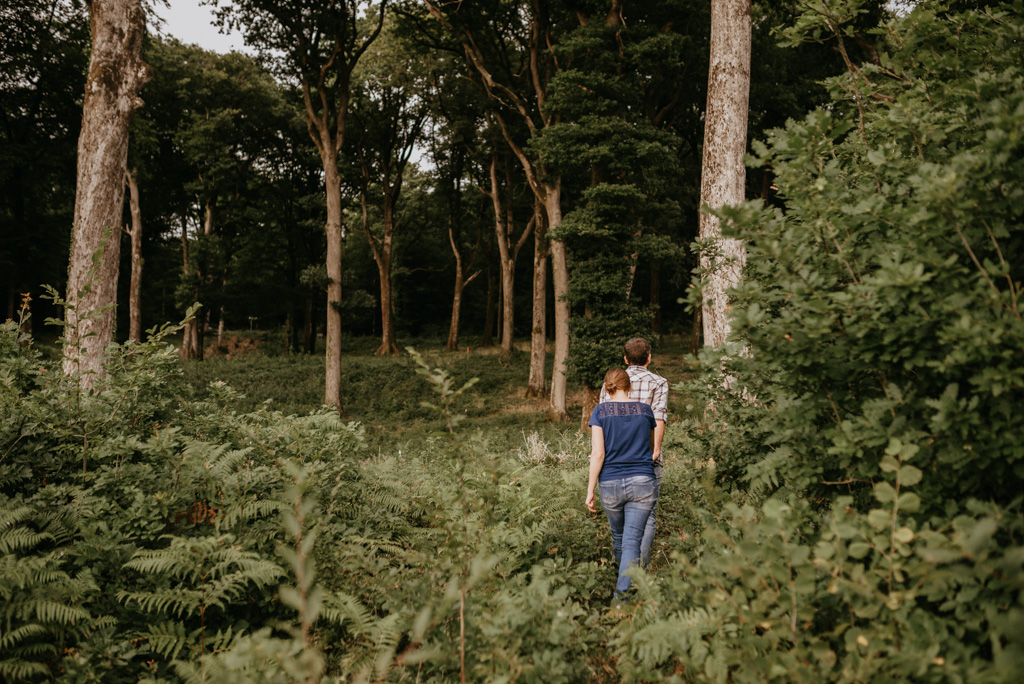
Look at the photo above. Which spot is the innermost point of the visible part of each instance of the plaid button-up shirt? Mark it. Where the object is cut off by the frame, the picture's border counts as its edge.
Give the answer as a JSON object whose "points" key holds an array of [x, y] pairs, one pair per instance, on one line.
{"points": [[648, 387]]}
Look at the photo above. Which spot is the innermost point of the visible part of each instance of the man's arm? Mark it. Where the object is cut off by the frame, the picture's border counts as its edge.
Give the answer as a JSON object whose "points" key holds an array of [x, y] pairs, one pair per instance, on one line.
{"points": [[659, 404], [659, 434]]}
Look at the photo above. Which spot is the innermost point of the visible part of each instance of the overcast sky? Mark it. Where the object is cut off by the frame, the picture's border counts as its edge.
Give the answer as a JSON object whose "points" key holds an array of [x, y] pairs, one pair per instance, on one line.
{"points": [[190, 22]]}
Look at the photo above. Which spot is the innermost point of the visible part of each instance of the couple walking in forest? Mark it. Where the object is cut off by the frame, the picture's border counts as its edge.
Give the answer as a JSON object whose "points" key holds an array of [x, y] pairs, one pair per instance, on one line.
{"points": [[627, 428]]}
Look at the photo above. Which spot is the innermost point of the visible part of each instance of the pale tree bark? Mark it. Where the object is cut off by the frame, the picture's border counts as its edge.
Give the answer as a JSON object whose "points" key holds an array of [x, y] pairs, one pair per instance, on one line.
{"points": [[135, 234], [723, 173], [116, 76], [535, 386], [560, 276]]}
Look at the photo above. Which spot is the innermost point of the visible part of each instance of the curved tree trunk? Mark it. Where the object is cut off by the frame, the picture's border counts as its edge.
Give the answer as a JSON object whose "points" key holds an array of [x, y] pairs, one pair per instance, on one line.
{"points": [[135, 233], [723, 173], [461, 281], [116, 75]]}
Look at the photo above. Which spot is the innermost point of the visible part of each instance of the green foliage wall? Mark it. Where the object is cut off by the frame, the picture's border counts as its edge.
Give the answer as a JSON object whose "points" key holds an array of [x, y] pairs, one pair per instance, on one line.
{"points": [[882, 296]]}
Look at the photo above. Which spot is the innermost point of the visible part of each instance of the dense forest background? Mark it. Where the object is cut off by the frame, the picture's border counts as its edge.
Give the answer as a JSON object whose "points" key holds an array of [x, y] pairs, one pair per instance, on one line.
{"points": [[842, 498], [229, 181]]}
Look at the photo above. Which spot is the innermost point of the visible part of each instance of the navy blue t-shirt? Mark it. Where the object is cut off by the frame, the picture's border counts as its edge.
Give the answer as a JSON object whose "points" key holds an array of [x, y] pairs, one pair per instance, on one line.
{"points": [[627, 429]]}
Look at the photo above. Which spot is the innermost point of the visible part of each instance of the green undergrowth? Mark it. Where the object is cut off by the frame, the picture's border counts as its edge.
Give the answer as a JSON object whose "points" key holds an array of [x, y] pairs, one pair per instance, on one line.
{"points": [[152, 533]]}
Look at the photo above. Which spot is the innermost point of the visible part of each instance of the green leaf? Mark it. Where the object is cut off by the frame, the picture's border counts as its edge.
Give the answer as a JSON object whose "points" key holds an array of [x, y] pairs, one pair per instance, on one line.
{"points": [[858, 550], [884, 492], [909, 502], [909, 475], [879, 518]]}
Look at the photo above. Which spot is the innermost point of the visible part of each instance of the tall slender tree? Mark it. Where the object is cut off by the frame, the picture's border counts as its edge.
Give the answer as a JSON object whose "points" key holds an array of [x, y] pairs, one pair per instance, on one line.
{"points": [[723, 174], [502, 196], [508, 45], [389, 110], [116, 76], [317, 43]]}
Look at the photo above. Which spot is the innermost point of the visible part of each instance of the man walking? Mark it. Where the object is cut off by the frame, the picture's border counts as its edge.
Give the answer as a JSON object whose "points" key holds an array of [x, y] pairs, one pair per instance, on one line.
{"points": [[652, 389]]}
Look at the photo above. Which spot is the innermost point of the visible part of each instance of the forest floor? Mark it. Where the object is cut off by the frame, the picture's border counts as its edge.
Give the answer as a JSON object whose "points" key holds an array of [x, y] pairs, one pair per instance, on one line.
{"points": [[384, 394]]}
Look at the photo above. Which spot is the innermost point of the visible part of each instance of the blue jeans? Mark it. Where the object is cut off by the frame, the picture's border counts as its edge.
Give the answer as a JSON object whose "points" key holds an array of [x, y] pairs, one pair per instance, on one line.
{"points": [[628, 503], [652, 524]]}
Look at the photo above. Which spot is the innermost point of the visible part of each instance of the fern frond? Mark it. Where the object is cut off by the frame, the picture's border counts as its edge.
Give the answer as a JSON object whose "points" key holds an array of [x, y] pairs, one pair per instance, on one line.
{"points": [[21, 539], [10, 639], [178, 602], [12, 517], [340, 608], [59, 613], [167, 638], [17, 670], [251, 510], [389, 547]]}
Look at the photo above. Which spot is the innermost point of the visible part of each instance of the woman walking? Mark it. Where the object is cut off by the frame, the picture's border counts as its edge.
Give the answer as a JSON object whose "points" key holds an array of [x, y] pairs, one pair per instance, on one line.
{"points": [[622, 468]]}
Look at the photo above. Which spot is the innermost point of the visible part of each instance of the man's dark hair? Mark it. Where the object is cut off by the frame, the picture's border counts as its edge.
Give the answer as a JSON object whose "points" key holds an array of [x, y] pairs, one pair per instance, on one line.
{"points": [[637, 351]]}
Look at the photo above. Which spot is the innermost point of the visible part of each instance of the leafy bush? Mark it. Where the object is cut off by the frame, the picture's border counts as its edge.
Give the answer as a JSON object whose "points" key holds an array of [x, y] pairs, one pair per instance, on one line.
{"points": [[882, 299]]}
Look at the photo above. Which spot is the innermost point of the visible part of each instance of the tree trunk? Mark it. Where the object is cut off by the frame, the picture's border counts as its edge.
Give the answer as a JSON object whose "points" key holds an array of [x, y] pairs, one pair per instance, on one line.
{"points": [[453, 327], [487, 339], [535, 386], [656, 326], [560, 276], [502, 231], [220, 327], [388, 346], [723, 174], [189, 341], [116, 75], [382, 252], [194, 343], [332, 182], [696, 332], [134, 296], [461, 280], [308, 329]]}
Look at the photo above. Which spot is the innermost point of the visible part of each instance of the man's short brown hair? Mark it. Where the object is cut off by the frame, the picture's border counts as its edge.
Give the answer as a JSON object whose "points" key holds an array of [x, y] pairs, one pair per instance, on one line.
{"points": [[637, 351]]}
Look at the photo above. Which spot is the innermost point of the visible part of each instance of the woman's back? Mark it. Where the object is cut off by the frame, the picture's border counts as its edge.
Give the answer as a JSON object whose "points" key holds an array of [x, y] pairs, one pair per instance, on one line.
{"points": [[627, 429]]}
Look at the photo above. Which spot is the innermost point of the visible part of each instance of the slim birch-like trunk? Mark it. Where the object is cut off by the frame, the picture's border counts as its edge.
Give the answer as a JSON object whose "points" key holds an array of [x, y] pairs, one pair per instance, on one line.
{"points": [[135, 233], [535, 386], [560, 276]]}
